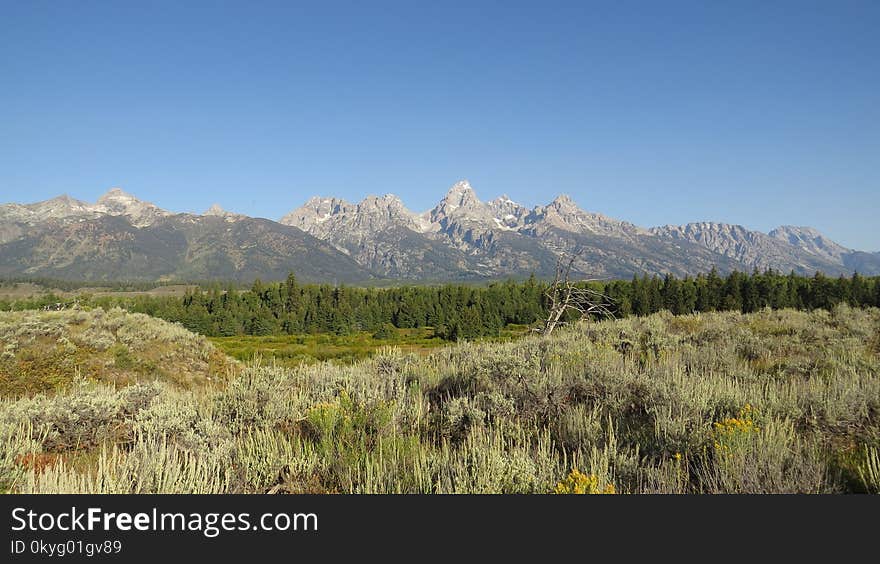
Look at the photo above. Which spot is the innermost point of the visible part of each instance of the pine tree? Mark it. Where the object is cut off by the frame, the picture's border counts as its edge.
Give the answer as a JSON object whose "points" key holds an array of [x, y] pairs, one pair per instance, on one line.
{"points": [[714, 290]]}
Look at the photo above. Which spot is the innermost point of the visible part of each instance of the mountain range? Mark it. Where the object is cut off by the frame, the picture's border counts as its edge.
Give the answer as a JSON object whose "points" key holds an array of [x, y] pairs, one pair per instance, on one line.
{"points": [[462, 238]]}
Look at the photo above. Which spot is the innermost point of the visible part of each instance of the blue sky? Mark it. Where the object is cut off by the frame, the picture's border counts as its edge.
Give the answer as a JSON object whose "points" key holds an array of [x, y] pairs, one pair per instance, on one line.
{"points": [[758, 113]]}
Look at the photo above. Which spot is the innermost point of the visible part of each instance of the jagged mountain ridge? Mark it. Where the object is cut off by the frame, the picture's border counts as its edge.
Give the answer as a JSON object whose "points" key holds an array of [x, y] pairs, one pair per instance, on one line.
{"points": [[330, 239], [501, 236], [751, 248]]}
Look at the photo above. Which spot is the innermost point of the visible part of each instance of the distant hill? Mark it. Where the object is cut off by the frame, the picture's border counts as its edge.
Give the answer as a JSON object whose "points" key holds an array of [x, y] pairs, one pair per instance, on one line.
{"points": [[379, 239]]}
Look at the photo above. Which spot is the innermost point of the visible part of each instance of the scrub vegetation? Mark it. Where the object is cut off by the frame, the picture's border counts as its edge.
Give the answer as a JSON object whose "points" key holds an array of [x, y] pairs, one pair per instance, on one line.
{"points": [[43, 351], [722, 402]]}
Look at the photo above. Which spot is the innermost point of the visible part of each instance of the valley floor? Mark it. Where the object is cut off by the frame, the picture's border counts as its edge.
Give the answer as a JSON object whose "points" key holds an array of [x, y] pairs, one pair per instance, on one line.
{"points": [[775, 401], [294, 350]]}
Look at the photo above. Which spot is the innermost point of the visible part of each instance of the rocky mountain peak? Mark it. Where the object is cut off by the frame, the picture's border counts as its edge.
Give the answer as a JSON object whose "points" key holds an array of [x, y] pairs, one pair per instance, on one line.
{"points": [[507, 212], [563, 202], [318, 213], [461, 203], [377, 213], [58, 207], [460, 187], [564, 213], [118, 202], [503, 202], [116, 195], [387, 202], [325, 205], [809, 240], [561, 212], [66, 200], [460, 195], [215, 209]]}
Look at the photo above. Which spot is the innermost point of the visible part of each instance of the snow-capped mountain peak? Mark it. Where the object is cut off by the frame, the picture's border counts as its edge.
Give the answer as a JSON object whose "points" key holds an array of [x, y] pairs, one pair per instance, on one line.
{"points": [[460, 195], [460, 202], [507, 213]]}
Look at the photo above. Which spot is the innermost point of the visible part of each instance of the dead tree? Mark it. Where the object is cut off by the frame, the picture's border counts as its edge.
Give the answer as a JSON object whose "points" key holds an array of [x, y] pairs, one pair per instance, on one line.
{"points": [[565, 295]]}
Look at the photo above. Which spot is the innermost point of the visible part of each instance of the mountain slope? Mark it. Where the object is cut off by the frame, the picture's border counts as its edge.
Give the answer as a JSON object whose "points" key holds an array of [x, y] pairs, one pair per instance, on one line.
{"points": [[250, 248], [132, 240]]}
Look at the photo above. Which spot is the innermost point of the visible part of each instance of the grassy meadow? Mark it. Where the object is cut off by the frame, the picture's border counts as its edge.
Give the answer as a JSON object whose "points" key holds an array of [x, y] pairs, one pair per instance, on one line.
{"points": [[769, 402], [294, 350]]}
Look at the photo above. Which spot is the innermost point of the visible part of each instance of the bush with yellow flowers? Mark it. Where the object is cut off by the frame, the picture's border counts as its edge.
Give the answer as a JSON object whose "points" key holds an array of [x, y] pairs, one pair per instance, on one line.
{"points": [[734, 432], [579, 483], [325, 418]]}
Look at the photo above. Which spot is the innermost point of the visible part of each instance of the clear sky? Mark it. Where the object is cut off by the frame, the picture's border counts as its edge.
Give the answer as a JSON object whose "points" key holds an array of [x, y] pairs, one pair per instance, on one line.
{"points": [[759, 113]]}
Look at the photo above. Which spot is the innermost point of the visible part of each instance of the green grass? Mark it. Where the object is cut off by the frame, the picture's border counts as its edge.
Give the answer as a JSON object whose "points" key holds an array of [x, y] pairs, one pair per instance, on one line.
{"points": [[775, 401], [293, 350]]}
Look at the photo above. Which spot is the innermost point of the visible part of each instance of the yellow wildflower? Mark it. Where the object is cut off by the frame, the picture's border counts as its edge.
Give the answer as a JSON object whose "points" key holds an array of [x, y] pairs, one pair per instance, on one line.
{"points": [[579, 483]]}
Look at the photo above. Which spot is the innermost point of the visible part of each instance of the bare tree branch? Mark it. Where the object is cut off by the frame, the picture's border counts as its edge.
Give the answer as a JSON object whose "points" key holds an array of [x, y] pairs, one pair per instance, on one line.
{"points": [[565, 295]]}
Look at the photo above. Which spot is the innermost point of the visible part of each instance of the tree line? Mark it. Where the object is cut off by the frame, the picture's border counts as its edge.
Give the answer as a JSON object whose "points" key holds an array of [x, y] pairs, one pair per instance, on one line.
{"points": [[458, 311]]}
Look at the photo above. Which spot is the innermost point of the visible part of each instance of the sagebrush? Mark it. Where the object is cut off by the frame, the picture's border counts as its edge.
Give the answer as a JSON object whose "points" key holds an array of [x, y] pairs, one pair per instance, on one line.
{"points": [[774, 401]]}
